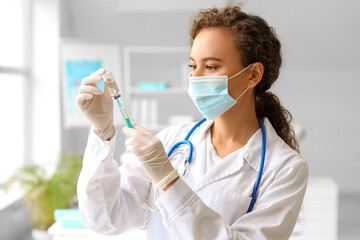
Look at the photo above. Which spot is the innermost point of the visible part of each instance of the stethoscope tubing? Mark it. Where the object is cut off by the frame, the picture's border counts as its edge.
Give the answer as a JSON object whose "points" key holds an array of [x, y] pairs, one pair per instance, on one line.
{"points": [[261, 168], [186, 141], [262, 162]]}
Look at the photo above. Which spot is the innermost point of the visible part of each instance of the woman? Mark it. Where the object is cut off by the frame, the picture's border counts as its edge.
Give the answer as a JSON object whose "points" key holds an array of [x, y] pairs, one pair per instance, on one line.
{"points": [[211, 200]]}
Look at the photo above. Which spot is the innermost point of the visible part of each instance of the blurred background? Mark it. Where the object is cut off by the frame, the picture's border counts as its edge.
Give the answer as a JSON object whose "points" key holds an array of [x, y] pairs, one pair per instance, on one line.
{"points": [[48, 46]]}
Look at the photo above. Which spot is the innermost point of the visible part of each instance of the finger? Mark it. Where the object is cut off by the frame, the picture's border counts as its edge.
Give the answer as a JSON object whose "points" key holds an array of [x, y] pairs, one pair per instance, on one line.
{"points": [[130, 148], [83, 97], [84, 100], [130, 131], [91, 80], [129, 142], [89, 90], [99, 72], [138, 140], [142, 129], [129, 145]]}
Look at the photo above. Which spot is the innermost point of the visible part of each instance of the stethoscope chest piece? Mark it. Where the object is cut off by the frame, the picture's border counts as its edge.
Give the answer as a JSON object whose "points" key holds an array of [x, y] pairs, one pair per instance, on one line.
{"points": [[184, 169]]}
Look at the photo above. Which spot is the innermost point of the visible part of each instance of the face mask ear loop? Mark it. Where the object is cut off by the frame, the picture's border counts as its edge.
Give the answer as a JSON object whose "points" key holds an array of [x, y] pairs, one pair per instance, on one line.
{"points": [[240, 71], [242, 94]]}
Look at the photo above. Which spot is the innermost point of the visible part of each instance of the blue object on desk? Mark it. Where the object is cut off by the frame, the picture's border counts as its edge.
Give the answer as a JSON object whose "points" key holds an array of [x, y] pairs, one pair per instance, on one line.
{"points": [[69, 218], [153, 86]]}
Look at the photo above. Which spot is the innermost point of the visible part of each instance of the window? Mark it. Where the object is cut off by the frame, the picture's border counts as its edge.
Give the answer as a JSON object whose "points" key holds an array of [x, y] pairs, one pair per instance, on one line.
{"points": [[14, 79]]}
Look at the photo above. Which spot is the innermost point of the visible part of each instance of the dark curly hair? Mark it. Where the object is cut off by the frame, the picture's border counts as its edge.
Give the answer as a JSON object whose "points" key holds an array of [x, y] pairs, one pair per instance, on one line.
{"points": [[256, 42]]}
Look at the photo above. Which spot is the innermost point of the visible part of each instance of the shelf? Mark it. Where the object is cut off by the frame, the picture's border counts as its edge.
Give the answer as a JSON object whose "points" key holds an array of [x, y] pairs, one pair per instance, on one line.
{"points": [[172, 90], [163, 67]]}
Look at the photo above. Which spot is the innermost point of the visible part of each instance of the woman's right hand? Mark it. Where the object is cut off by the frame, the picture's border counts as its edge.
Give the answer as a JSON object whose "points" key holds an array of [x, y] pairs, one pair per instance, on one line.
{"points": [[96, 105]]}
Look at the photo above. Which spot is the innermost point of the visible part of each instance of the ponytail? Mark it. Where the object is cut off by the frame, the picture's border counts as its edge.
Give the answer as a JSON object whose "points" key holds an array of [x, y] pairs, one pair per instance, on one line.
{"points": [[268, 105]]}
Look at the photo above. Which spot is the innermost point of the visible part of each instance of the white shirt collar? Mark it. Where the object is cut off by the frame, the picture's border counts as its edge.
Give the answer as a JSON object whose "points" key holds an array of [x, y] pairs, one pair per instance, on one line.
{"points": [[252, 150]]}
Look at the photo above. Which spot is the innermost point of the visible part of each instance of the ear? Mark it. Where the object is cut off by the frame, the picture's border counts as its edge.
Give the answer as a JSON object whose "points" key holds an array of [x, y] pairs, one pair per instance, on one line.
{"points": [[257, 71]]}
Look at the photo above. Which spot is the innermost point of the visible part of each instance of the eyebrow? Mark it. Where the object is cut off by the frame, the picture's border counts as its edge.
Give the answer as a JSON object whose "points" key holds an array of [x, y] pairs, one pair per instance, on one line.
{"points": [[208, 59]]}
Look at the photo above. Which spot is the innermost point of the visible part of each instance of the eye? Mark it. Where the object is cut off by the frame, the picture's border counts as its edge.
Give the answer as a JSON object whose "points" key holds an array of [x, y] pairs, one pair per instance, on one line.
{"points": [[211, 68], [192, 66]]}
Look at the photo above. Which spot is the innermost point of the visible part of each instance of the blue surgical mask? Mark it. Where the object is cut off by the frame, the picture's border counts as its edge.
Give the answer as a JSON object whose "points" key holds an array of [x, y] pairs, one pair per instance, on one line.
{"points": [[211, 96]]}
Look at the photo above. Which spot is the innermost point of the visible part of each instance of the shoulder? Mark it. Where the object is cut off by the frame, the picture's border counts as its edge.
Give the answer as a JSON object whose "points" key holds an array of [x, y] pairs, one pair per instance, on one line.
{"points": [[288, 157], [283, 157]]}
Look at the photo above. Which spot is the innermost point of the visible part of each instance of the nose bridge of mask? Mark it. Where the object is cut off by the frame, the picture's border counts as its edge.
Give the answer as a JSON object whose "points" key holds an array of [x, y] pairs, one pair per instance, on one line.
{"points": [[208, 85]]}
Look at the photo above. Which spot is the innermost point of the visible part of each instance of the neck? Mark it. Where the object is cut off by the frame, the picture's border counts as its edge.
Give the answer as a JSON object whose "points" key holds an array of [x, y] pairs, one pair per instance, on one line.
{"points": [[236, 126]]}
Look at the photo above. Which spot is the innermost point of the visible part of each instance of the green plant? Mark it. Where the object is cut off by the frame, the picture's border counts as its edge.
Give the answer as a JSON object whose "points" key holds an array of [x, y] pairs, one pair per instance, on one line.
{"points": [[44, 194]]}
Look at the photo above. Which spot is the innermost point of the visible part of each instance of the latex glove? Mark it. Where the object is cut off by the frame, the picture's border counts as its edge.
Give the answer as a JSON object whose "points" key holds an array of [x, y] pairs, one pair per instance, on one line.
{"points": [[151, 153], [96, 105]]}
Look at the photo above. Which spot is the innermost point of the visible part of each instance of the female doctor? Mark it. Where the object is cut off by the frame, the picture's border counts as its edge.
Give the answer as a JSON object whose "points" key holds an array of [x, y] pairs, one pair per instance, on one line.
{"points": [[234, 60]]}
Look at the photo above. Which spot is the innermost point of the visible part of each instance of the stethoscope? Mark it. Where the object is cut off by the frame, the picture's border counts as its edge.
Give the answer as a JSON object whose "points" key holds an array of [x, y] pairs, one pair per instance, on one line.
{"points": [[189, 158]]}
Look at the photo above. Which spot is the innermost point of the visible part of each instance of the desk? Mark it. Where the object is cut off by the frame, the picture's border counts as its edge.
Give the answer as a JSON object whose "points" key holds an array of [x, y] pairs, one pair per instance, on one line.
{"points": [[318, 218]]}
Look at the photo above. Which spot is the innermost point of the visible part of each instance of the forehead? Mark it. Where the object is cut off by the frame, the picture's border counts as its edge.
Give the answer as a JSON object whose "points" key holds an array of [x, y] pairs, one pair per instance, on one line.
{"points": [[214, 42]]}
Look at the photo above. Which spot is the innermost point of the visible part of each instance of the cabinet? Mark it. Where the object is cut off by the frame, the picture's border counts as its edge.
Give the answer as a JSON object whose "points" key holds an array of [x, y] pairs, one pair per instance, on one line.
{"points": [[155, 85]]}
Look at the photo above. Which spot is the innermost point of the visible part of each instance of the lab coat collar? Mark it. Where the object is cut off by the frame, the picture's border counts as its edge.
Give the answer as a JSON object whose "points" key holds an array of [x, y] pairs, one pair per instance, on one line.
{"points": [[252, 150], [251, 154], [199, 134]]}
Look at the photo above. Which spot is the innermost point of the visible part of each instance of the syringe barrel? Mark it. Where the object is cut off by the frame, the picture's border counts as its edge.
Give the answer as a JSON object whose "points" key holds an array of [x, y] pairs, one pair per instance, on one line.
{"points": [[123, 112], [126, 117]]}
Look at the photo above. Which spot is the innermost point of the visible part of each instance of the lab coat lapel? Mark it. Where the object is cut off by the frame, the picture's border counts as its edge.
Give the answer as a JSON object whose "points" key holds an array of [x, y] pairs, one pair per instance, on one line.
{"points": [[196, 169], [252, 151], [227, 166], [233, 163]]}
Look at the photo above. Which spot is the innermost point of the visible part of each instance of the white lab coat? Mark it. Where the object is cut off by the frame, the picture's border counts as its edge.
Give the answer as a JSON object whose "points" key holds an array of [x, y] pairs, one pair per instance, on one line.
{"points": [[198, 206]]}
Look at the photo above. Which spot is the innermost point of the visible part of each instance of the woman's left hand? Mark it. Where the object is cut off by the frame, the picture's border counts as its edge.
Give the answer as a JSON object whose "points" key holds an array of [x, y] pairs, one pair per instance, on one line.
{"points": [[150, 151]]}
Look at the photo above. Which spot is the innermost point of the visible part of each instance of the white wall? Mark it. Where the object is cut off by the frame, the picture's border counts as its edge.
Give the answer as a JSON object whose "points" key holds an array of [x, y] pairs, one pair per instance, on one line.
{"points": [[319, 80], [45, 79]]}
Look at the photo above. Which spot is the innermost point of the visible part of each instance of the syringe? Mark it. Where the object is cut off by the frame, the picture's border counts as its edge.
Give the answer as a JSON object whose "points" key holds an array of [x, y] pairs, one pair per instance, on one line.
{"points": [[114, 93]]}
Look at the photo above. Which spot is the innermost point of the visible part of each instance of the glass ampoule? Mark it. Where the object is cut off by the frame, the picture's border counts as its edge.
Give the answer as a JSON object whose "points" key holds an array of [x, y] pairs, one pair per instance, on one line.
{"points": [[111, 85]]}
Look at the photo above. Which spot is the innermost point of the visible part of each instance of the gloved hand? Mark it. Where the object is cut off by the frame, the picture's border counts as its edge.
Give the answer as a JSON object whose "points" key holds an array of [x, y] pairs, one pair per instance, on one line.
{"points": [[96, 105], [151, 153]]}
